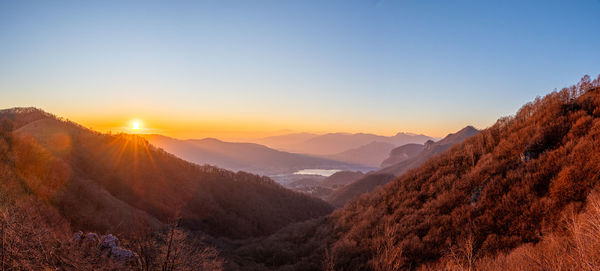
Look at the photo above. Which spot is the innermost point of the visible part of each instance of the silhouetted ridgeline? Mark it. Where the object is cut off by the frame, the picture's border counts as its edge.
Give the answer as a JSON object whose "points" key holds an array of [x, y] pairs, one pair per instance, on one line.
{"points": [[122, 184]]}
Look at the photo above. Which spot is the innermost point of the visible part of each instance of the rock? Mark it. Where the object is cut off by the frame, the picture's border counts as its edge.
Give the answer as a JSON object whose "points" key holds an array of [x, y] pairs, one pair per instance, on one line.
{"points": [[108, 241], [107, 246], [122, 255]]}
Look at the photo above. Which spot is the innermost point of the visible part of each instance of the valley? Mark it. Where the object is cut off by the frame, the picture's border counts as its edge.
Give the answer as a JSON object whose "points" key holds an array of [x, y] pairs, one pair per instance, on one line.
{"points": [[299, 135], [127, 183]]}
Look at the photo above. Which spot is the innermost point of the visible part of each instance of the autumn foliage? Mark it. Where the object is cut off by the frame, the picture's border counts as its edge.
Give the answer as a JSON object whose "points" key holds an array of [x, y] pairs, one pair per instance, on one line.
{"points": [[510, 186], [519, 195], [507, 186], [160, 206]]}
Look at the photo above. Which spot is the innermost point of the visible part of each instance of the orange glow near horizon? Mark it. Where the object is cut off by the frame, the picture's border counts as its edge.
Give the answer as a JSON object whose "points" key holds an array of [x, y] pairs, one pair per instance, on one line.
{"points": [[240, 130], [181, 123]]}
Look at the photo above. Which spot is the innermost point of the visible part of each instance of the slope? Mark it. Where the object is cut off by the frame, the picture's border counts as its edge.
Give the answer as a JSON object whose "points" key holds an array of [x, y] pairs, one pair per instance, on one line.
{"points": [[509, 185], [401, 154], [373, 180], [117, 182], [341, 178], [429, 150]]}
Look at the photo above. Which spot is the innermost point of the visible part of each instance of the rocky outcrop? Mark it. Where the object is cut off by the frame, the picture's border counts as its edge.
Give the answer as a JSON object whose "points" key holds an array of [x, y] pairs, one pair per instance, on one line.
{"points": [[107, 246], [108, 241]]}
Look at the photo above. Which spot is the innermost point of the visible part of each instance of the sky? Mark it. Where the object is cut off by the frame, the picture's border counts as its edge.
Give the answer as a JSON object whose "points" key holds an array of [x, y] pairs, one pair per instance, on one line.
{"points": [[244, 69]]}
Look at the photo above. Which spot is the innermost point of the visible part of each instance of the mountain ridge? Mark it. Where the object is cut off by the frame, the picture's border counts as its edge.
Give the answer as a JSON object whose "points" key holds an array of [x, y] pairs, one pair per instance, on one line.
{"points": [[335, 143], [249, 157], [382, 176], [126, 182], [371, 154], [514, 195]]}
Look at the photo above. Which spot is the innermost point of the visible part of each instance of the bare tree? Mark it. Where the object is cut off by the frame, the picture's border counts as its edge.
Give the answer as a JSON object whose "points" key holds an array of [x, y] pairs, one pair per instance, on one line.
{"points": [[388, 255]]}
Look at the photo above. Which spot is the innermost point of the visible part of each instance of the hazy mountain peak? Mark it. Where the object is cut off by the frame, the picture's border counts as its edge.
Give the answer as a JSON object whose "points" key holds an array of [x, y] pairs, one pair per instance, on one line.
{"points": [[408, 134], [371, 154], [209, 139], [335, 143]]}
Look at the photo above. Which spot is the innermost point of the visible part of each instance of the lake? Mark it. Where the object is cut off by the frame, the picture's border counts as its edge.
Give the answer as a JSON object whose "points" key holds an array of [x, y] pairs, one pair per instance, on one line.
{"points": [[322, 172]]}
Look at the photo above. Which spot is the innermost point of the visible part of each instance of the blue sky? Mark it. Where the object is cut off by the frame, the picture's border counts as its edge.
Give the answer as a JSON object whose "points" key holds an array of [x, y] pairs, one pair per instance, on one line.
{"points": [[244, 68]]}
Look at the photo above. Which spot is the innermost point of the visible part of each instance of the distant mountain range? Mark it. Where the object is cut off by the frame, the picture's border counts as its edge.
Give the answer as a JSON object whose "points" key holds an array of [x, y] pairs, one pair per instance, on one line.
{"points": [[249, 157], [522, 194], [371, 154], [401, 160], [429, 150], [286, 141], [519, 195], [333, 144]]}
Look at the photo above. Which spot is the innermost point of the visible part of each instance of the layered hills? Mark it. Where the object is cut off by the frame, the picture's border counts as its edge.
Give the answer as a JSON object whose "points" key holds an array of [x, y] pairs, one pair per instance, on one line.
{"points": [[405, 157], [371, 154], [519, 182], [114, 183], [338, 143], [521, 194], [247, 157]]}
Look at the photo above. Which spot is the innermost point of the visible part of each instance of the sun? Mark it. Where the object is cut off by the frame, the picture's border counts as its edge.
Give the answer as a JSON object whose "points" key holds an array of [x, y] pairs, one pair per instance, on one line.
{"points": [[136, 125]]}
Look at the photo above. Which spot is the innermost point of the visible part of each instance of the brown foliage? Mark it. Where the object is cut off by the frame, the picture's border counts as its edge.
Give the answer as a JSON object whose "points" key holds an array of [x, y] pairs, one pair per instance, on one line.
{"points": [[118, 181], [506, 187], [174, 248], [120, 184], [576, 246], [499, 189]]}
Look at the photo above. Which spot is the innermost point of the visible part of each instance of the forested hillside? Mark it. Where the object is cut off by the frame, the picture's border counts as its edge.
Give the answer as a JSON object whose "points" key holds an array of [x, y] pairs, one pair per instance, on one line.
{"points": [[519, 195], [380, 177], [510, 185], [113, 182]]}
